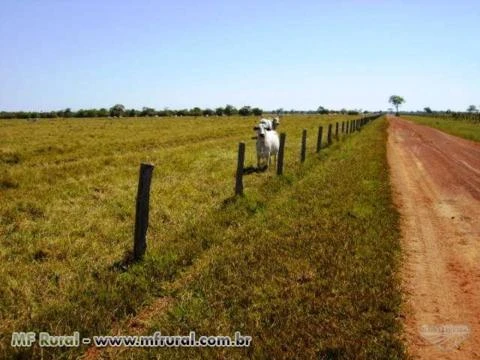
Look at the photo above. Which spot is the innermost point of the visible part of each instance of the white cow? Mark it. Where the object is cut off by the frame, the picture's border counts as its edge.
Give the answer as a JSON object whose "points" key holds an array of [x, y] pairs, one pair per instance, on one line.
{"points": [[270, 124], [268, 144]]}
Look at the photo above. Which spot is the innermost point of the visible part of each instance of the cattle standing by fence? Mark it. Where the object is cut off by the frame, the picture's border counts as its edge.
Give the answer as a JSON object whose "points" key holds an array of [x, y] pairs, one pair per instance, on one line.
{"points": [[348, 126]]}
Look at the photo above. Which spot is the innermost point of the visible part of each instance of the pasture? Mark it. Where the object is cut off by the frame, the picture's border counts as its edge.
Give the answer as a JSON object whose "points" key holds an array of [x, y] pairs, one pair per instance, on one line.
{"points": [[304, 262]]}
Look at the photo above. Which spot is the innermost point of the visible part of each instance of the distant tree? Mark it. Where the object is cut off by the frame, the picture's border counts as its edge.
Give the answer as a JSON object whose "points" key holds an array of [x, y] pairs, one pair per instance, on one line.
{"points": [[81, 113], [396, 101], [343, 111], [131, 113], [208, 112], [102, 112], [245, 111], [219, 111], [279, 111], [117, 110], [51, 114], [91, 113], [428, 110], [257, 111], [322, 110], [148, 111], [230, 110], [472, 109], [67, 113], [196, 111]]}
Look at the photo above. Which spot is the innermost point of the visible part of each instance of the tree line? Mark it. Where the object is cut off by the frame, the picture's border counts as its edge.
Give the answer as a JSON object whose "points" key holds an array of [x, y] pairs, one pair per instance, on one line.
{"points": [[119, 110]]}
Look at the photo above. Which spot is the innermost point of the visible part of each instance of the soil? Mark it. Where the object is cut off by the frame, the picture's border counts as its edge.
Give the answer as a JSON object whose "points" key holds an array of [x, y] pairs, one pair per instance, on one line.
{"points": [[436, 183]]}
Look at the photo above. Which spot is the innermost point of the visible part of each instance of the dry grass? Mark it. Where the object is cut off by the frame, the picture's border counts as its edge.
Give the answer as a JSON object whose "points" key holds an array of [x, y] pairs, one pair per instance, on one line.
{"points": [[310, 254]]}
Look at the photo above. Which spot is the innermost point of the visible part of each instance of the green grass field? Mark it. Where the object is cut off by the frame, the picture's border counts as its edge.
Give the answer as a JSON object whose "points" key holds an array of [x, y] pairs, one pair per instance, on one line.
{"points": [[462, 128], [304, 263]]}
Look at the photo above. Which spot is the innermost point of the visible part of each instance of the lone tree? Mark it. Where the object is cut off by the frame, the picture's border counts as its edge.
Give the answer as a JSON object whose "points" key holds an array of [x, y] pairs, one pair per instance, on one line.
{"points": [[472, 109], [396, 101]]}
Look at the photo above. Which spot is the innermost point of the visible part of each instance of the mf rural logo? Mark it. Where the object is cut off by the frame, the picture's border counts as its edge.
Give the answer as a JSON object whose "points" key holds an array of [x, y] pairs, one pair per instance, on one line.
{"points": [[445, 337]]}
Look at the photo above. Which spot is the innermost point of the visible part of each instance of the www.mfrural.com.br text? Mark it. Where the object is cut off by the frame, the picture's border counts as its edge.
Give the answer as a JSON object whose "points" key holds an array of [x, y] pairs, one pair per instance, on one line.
{"points": [[44, 339]]}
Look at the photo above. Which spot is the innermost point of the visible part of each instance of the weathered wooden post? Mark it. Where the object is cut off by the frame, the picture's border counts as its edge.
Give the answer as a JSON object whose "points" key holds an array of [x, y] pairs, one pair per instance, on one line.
{"points": [[281, 152], [343, 127], [304, 145], [329, 135], [239, 174], [336, 130], [319, 138], [141, 212]]}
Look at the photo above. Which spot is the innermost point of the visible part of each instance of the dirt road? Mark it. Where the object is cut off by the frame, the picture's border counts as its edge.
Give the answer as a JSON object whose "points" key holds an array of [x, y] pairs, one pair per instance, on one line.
{"points": [[436, 180]]}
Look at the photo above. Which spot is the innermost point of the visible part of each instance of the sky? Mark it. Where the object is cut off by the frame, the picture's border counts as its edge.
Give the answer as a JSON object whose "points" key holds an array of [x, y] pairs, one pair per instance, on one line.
{"points": [[298, 54]]}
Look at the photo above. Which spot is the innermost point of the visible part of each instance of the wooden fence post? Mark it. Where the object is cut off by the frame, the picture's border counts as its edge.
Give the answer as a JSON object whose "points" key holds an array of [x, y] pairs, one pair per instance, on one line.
{"points": [[329, 135], [239, 174], [304, 145], [343, 127], [281, 152], [141, 212], [336, 130], [319, 138]]}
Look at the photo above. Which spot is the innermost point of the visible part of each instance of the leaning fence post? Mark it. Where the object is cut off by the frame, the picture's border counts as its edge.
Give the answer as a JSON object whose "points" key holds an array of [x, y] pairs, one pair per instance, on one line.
{"points": [[329, 135], [281, 152], [141, 214], [239, 174], [319, 138], [304, 145]]}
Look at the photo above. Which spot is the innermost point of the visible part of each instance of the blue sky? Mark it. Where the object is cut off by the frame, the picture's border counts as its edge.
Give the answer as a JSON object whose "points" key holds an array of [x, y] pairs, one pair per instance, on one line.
{"points": [[290, 54]]}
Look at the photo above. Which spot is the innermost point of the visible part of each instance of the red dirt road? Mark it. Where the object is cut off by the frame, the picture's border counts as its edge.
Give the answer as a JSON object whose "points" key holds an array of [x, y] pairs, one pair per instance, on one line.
{"points": [[436, 181]]}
